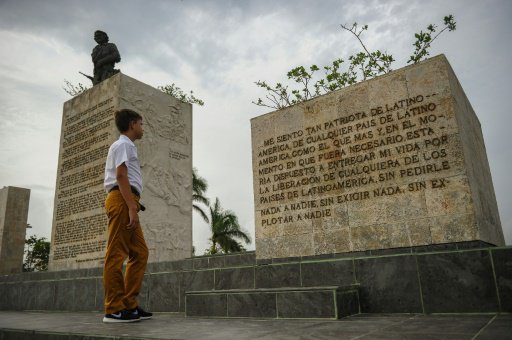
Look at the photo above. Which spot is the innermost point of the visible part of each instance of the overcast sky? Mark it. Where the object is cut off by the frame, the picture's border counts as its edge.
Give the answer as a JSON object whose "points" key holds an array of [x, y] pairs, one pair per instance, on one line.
{"points": [[219, 49]]}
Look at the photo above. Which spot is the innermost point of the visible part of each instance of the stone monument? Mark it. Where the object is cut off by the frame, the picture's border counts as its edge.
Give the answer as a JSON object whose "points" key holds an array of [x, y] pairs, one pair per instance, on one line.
{"points": [[13, 227], [396, 161], [79, 231]]}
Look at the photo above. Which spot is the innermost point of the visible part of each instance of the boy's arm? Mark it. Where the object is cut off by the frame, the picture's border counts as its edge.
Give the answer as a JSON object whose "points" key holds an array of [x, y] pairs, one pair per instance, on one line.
{"points": [[126, 192]]}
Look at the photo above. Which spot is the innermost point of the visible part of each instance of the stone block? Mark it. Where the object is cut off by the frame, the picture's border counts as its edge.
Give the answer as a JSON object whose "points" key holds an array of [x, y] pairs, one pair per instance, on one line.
{"points": [[10, 296], [46, 295], [206, 305], [286, 259], [347, 303], [64, 294], [198, 280], [352, 254], [200, 263], [263, 262], [79, 229], [314, 302], [435, 248], [164, 292], [216, 262], [328, 273], [500, 329], [502, 259], [28, 295], [457, 282], [472, 245], [316, 257], [440, 327], [13, 227], [245, 259], [391, 251], [388, 284], [252, 305], [277, 276], [100, 295], [332, 241], [234, 278], [143, 297], [170, 266], [287, 246], [84, 298], [306, 304], [393, 162]]}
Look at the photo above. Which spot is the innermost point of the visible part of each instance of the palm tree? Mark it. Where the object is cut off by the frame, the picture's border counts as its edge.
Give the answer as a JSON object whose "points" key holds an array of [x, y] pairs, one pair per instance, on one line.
{"points": [[225, 231], [199, 187]]}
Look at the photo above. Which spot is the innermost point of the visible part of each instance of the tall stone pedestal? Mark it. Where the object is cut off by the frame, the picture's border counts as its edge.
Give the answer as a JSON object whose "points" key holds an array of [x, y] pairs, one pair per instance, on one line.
{"points": [[13, 227], [396, 161], [79, 232]]}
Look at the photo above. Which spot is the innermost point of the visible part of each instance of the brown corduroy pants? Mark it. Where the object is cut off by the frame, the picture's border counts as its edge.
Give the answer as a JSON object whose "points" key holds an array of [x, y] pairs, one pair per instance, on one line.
{"points": [[121, 292]]}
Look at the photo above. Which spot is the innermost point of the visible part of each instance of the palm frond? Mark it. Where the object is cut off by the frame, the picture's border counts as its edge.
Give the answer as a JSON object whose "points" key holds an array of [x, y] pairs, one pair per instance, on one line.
{"points": [[201, 212]]}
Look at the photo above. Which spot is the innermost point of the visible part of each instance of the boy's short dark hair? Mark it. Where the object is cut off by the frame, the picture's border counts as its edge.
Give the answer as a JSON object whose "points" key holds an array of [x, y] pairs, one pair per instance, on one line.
{"points": [[124, 117]]}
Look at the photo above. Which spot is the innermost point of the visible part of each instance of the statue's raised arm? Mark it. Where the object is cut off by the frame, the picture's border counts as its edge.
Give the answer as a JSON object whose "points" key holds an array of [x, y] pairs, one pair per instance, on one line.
{"points": [[104, 56]]}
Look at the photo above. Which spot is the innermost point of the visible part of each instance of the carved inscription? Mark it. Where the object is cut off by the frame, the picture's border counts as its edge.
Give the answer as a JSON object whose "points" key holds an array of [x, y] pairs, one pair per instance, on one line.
{"points": [[177, 155], [79, 221], [73, 250], [83, 229], [392, 149]]}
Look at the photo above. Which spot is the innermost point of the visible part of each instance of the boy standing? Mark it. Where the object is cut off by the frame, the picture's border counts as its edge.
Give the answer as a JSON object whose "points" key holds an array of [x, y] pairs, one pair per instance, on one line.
{"points": [[123, 182]]}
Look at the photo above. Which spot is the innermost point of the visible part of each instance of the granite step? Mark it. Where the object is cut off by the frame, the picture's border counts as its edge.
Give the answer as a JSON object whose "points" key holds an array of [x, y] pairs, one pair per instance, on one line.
{"points": [[329, 302]]}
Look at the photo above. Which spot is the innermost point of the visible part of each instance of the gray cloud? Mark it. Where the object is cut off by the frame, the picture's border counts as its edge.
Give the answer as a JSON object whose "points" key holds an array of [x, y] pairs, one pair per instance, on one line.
{"points": [[218, 49]]}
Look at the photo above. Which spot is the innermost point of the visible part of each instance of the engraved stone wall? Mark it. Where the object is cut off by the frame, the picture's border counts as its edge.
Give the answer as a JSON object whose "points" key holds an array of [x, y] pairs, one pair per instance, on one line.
{"points": [[79, 230], [396, 161], [14, 204]]}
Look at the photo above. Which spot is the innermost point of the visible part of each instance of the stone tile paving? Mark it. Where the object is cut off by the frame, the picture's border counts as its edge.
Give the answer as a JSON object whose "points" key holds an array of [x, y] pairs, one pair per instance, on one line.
{"points": [[81, 325]]}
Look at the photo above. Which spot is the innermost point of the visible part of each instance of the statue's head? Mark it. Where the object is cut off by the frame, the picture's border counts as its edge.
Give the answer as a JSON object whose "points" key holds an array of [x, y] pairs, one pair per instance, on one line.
{"points": [[100, 37]]}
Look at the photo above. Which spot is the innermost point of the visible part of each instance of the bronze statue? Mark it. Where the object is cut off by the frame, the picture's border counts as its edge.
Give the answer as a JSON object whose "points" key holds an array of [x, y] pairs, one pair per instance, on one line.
{"points": [[104, 56]]}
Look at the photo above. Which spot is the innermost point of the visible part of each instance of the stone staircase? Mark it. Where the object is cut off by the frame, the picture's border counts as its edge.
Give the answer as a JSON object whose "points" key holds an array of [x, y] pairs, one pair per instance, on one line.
{"points": [[406, 280], [279, 303]]}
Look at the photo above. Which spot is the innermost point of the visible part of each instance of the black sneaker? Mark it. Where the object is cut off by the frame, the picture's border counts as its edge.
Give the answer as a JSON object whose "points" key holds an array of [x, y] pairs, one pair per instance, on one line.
{"points": [[141, 313], [121, 316]]}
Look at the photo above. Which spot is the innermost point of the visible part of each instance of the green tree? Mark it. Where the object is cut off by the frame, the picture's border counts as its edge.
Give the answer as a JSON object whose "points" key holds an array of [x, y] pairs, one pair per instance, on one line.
{"points": [[363, 65], [199, 187], [173, 90], [225, 231], [425, 39], [74, 90], [37, 253], [177, 92]]}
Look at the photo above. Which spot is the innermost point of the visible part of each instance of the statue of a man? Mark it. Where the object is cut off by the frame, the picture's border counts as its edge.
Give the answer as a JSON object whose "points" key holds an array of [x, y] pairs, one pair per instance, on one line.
{"points": [[104, 56]]}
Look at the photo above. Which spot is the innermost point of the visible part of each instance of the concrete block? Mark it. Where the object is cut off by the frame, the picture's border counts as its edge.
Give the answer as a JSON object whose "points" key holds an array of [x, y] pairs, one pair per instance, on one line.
{"points": [[388, 284], [304, 304], [164, 292], [79, 229], [195, 281], [84, 298], [213, 305], [252, 305], [278, 275], [14, 204], [398, 161], [502, 259], [328, 273], [460, 282], [234, 278]]}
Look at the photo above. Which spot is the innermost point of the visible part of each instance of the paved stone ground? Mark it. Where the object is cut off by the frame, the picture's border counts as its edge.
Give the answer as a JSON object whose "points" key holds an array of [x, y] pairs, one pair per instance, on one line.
{"points": [[81, 325]]}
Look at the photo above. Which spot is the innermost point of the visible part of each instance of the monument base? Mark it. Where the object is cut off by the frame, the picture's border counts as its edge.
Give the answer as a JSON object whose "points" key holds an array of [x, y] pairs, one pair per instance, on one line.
{"points": [[409, 280], [13, 227], [79, 232], [395, 161]]}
